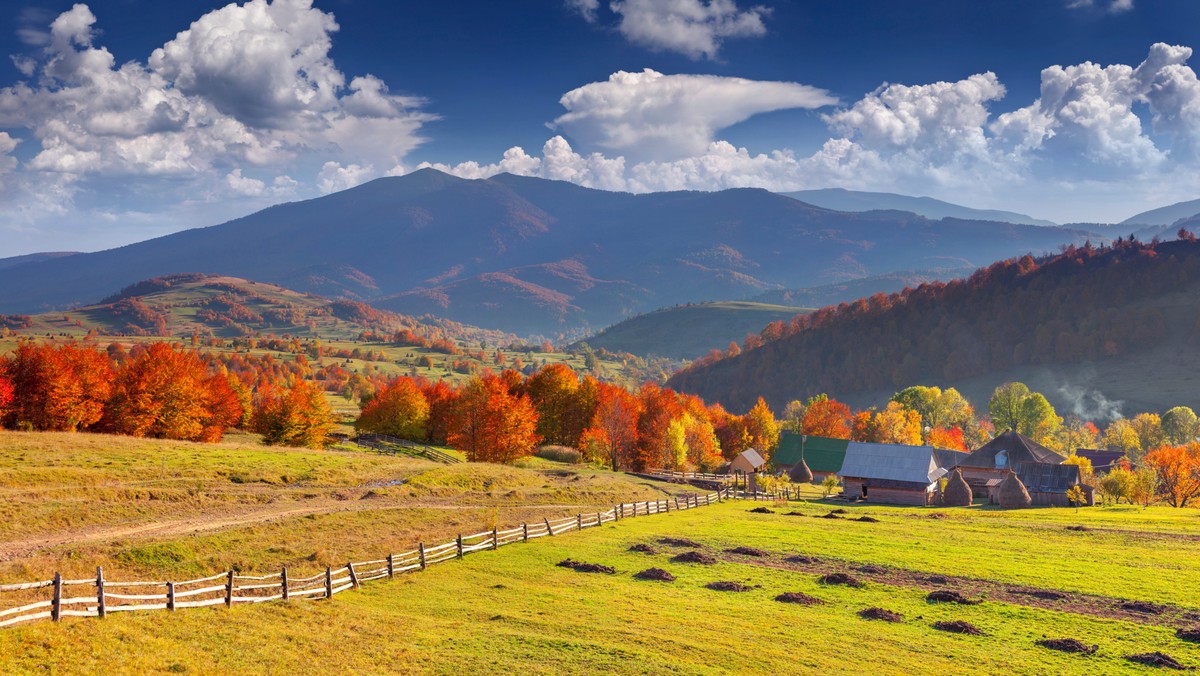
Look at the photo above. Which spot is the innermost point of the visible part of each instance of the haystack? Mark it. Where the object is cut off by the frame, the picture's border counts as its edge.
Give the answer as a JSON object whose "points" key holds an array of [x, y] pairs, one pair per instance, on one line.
{"points": [[957, 493], [1013, 493], [800, 473]]}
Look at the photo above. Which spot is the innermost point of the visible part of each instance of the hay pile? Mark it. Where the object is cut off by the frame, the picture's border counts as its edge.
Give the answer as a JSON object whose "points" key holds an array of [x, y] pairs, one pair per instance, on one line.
{"points": [[1013, 494], [800, 473], [957, 492]]}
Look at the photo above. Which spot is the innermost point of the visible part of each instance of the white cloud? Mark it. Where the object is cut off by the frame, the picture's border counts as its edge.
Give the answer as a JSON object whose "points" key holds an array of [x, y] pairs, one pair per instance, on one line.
{"points": [[649, 114], [586, 8], [335, 177], [244, 185], [1112, 6], [695, 28], [7, 145]]}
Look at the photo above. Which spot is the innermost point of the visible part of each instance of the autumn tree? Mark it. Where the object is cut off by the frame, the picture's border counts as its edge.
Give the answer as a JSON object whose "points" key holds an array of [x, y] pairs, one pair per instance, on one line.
{"points": [[940, 437], [896, 424], [1120, 435], [442, 401], [613, 428], [793, 416], [762, 428], [1005, 406], [57, 388], [6, 395], [1178, 471], [659, 406], [165, 393], [1179, 425], [825, 417], [398, 409], [730, 430], [299, 416], [492, 423], [564, 403], [1149, 430], [1073, 435]]}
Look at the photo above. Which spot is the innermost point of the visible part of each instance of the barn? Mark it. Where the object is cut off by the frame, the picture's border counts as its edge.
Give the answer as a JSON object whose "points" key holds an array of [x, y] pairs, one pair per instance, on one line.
{"points": [[1007, 451], [823, 455], [891, 473], [1048, 484]]}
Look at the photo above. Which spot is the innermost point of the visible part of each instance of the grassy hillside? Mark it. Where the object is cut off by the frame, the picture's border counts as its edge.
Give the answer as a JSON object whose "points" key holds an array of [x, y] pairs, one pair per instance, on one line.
{"points": [[1116, 324], [514, 609], [690, 331]]}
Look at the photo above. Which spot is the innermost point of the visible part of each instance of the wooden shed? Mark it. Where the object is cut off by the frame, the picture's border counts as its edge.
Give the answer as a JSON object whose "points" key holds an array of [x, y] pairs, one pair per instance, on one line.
{"points": [[823, 455], [748, 461], [1048, 484], [1006, 452], [891, 473]]}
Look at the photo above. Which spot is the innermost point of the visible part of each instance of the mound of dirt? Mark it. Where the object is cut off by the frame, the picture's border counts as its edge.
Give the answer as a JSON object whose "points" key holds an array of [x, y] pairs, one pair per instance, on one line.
{"points": [[840, 578], [693, 557], [880, 614], [831, 515], [800, 558], [795, 514], [748, 551], [1043, 594], [949, 596], [1157, 659], [761, 510], [727, 586], [645, 549], [936, 515], [1192, 634], [679, 542], [797, 597], [937, 579], [1068, 645], [871, 570], [1081, 529], [958, 627], [655, 574], [839, 510], [867, 519], [1142, 607], [581, 567]]}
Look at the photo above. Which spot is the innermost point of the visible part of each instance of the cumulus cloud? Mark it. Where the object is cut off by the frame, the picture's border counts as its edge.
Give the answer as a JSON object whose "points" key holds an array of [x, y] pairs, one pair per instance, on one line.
{"points": [[244, 185], [696, 28], [649, 114], [586, 8], [335, 177], [7, 145], [1112, 6]]}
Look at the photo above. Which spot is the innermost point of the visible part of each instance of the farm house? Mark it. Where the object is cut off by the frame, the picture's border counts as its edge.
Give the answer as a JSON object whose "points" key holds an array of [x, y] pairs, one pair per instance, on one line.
{"points": [[1102, 461], [1048, 484], [748, 461], [891, 473], [995, 458], [824, 456]]}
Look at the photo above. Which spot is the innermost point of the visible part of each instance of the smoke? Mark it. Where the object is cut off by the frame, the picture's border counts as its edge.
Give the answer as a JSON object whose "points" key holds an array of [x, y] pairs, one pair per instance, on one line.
{"points": [[1090, 404]]}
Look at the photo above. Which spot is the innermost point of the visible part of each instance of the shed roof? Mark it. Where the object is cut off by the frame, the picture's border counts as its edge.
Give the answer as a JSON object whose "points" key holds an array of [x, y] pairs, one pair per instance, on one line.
{"points": [[1019, 448], [948, 459], [1102, 461], [892, 462], [748, 460], [822, 454], [1040, 477]]}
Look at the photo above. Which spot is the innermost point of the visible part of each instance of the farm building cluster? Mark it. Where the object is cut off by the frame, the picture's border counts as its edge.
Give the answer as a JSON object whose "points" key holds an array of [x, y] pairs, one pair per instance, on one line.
{"points": [[1011, 470]]}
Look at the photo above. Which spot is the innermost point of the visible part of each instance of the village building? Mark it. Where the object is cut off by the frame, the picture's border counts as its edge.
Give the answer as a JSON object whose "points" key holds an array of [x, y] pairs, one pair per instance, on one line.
{"points": [[947, 458], [986, 467], [1049, 484], [890, 473], [823, 455], [1103, 462], [748, 461]]}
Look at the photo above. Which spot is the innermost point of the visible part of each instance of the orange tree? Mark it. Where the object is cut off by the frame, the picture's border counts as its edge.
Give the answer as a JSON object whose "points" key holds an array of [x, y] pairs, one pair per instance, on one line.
{"points": [[398, 409], [57, 388], [296, 417], [1178, 471], [825, 417], [491, 423]]}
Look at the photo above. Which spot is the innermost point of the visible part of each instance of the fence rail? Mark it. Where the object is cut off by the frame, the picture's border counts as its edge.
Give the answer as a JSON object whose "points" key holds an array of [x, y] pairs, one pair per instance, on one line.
{"points": [[387, 444], [689, 476], [234, 587]]}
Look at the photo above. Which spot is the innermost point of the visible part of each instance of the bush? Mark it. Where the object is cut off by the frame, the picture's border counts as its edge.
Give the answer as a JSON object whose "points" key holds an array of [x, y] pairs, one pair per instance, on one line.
{"points": [[560, 454]]}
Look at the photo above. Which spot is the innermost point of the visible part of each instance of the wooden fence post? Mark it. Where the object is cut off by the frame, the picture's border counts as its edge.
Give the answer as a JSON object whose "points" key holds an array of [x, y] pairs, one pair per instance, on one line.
{"points": [[579, 522], [283, 582], [56, 608], [391, 560], [100, 608], [328, 582], [525, 531], [622, 508], [548, 528], [353, 575], [677, 504], [421, 549], [495, 540], [229, 590], [171, 596], [459, 541], [598, 521]]}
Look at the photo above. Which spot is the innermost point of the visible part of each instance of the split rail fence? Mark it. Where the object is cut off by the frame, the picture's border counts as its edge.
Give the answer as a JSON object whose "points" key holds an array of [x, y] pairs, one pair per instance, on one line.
{"points": [[97, 597]]}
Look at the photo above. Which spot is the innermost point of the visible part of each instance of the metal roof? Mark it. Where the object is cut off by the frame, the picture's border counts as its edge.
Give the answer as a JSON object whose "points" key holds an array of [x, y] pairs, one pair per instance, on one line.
{"points": [[748, 459], [821, 454], [893, 462], [1018, 448], [1042, 478]]}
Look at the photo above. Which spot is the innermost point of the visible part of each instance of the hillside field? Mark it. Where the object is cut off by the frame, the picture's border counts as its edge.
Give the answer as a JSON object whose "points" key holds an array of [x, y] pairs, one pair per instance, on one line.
{"points": [[515, 609]]}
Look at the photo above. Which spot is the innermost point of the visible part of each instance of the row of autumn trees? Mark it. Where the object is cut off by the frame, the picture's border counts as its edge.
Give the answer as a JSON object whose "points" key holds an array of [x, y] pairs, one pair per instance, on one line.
{"points": [[157, 390], [498, 417]]}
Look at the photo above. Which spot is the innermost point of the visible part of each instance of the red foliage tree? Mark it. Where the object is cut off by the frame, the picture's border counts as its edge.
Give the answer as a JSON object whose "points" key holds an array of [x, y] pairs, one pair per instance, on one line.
{"points": [[825, 417], [442, 401], [1178, 470], [57, 389], [491, 423], [398, 409], [614, 425]]}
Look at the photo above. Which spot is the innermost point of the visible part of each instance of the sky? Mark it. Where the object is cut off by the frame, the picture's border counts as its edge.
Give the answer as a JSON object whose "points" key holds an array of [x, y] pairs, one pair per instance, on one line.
{"points": [[122, 120]]}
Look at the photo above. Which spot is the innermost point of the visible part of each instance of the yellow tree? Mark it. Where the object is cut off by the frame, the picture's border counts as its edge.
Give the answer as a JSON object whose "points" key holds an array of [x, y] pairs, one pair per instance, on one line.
{"points": [[897, 425], [762, 428]]}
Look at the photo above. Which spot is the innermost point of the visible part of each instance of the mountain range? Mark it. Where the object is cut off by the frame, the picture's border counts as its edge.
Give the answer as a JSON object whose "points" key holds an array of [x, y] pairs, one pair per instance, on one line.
{"points": [[1168, 215], [840, 199], [534, 256]]}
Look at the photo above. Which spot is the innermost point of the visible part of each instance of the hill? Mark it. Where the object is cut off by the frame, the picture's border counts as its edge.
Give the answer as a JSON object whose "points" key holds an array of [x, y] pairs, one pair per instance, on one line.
{"points": [[690, 331], [531, 256], [853, 289], [1091, 328], [1167, 215], [14, 261], [840, 199]]}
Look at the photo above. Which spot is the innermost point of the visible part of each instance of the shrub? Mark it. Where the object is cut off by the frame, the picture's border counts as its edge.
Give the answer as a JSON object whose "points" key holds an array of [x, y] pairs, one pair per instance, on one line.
{"points": [[560, 454]]}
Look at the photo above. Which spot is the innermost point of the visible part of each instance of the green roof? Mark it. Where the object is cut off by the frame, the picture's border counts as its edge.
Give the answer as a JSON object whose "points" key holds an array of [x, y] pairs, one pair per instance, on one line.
{"points": [[822, 454]]}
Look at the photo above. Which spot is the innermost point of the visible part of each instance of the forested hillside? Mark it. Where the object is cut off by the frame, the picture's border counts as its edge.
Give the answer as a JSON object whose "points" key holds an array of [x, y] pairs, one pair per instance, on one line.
{"points": [[1126, 314]]}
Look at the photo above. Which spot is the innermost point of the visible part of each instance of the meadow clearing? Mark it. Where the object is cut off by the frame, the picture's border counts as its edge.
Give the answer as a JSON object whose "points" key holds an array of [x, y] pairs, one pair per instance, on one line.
{"points": [[1121, 585]]}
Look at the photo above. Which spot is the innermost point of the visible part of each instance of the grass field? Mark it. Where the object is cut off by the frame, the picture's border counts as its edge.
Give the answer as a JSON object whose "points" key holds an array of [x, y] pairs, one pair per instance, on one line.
{"points": [[514, 609]]}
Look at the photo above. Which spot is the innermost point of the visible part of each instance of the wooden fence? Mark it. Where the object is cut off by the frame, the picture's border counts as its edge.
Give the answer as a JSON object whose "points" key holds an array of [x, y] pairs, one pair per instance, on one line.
{"points": [[689, 476], [387, 444], [97, 597]]}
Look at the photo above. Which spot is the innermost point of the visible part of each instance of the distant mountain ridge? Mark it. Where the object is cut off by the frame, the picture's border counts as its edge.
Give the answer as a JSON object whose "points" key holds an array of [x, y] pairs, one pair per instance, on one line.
{"points": [[1167, 215], [533, 256], [840, 199], [14, 261]]}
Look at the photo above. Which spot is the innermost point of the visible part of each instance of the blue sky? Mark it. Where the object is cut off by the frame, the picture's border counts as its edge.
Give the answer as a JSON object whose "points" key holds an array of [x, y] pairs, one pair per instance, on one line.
{"points": [[127, 119]]}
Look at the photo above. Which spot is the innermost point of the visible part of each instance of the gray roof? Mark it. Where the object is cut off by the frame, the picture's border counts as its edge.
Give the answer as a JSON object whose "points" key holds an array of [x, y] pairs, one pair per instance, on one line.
{"points": [[914, 464], [750, 457], [1017, 448], [1043, 478]]}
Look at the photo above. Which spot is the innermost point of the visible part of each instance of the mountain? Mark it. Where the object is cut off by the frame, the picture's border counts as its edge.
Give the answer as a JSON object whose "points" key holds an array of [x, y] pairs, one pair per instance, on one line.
{"points": [[1167, 215], [690, 331], [853, 289], [14, 261], [1098, 331], [189, 304], [530, 256], [840, 199]]}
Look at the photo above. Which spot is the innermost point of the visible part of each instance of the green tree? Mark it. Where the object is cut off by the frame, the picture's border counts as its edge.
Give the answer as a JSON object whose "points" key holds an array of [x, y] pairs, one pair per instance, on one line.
{"points": [[1037, 420], [1179, 425], [1005, 406]]}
